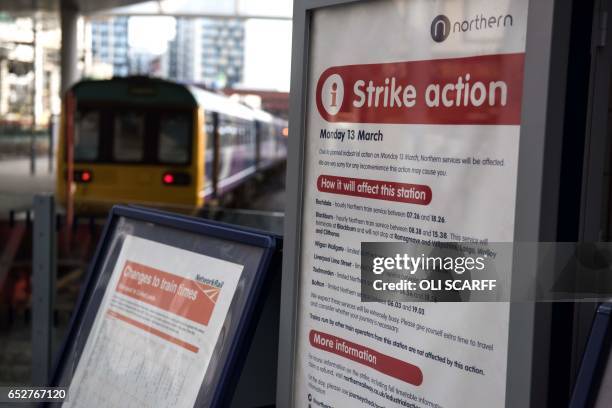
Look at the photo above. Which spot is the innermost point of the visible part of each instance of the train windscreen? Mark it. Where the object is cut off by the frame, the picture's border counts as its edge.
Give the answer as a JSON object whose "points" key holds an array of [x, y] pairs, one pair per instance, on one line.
{"points": [[129, 136], [86, 135], [174, 138], [132, 135]]}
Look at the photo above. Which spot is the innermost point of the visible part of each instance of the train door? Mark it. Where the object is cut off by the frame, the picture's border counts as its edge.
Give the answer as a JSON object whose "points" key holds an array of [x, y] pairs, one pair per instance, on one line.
{"points": [[210, 157]]}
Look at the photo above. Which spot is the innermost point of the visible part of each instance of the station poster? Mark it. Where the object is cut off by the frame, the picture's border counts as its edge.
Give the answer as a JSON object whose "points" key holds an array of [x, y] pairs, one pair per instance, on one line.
{"points": [[153, 337], [412, 134]]}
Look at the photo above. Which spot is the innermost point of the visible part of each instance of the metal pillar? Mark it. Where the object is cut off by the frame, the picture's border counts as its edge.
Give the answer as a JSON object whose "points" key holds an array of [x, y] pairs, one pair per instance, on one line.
{"points": [[43, 287], [37, 84], [69, 57], [4, 86], [51, 137]]}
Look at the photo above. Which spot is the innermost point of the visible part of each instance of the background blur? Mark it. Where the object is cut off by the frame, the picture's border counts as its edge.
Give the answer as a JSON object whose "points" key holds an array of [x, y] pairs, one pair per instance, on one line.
{"points": [[239, 48]]}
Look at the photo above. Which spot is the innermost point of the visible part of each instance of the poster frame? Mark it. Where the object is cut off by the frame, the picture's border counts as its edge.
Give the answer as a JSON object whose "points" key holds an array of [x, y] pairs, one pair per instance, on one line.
{"points": [[538, 180], [593, 366], [230, 371]]}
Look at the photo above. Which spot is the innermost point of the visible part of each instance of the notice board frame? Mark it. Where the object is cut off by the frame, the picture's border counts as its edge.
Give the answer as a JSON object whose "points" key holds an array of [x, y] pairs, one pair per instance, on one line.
{"points": [[230, 371], [594, 360], [537, 198]]}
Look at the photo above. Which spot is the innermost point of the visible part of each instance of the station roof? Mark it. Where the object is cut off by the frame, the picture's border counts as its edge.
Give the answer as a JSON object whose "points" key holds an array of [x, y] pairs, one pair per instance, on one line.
{"points": [[244, 9], [83, 6]]}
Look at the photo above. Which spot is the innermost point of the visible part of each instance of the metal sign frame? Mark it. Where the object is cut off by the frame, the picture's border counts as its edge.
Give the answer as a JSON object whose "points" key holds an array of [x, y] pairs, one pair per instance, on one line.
{"points": [[595, 163], [593, 366], [246, 323], [537, 196]]}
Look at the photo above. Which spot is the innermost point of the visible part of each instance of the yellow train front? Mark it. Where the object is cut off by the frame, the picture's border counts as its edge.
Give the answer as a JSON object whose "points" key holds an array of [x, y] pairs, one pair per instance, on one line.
{"points": [[154, 142]]}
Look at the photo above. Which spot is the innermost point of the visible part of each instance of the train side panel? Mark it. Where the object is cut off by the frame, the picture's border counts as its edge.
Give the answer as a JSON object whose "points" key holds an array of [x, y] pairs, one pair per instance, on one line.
{"points": [[236, 160]]}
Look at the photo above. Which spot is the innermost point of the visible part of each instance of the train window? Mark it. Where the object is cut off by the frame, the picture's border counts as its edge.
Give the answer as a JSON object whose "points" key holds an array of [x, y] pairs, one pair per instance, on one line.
{"points": [[235, 131], [227, 131], [128, 141], [174, 138], [86, 135], [272, 131]]}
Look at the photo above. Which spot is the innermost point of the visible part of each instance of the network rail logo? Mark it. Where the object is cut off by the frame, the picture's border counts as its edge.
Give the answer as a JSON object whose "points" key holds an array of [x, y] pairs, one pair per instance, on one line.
{"points": [[441, 26]]}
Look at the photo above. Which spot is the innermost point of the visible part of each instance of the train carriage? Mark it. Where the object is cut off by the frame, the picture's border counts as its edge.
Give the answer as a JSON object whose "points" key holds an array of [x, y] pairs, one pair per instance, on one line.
{"points": [[156, 142]]}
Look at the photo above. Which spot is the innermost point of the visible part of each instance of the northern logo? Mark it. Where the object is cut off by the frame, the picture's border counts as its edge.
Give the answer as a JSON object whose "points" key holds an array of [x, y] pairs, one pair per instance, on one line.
{"points": [[440, 28]]}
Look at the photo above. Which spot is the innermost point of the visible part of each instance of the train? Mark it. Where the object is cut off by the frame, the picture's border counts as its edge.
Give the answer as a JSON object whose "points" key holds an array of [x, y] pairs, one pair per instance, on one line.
{"points": [[160, 143]]}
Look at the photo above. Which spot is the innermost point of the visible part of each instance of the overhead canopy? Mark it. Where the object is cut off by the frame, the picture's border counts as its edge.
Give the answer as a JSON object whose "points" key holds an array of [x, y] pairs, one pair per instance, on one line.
{"points": [[83, 6], [274, 9]]}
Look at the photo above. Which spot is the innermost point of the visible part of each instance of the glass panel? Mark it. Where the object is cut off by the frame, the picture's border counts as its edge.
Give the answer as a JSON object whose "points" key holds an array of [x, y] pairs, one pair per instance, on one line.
{"points": [[86, 135], [174, 138], [129, 136]]}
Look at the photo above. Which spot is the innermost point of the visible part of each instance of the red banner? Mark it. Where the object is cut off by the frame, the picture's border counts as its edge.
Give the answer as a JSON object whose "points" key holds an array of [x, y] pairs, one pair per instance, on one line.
{"points": [[364, 355], [375, 189], [485, 90], [183, 297]]}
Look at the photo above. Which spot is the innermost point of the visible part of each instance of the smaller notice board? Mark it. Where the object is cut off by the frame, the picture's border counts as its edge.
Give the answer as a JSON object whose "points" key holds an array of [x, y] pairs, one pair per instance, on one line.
{"points": [[166, 312]]}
